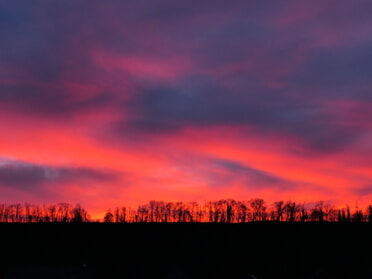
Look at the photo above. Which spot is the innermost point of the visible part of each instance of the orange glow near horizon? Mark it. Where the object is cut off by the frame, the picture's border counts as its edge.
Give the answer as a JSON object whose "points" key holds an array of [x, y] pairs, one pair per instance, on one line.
{"points": [[187, 170], [187, 166], [181, 171]]}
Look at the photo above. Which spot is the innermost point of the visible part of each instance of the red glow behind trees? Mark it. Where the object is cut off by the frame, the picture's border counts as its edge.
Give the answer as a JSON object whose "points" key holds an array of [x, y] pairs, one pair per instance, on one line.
{"points": [[219, 211]]}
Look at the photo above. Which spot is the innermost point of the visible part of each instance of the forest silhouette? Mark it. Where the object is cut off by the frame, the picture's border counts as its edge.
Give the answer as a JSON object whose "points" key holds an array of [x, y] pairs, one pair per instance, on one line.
{"points": [[219, 211], [187, 240]]}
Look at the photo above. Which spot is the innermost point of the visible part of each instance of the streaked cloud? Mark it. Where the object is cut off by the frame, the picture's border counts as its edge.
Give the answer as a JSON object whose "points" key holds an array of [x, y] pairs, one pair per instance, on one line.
{"points": [[29, 176]]}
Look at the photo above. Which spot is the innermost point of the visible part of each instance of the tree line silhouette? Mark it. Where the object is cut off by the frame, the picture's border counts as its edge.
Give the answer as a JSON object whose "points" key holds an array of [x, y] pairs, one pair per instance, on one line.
{"points": [[232, 211], [220, 211], [30, 213]]}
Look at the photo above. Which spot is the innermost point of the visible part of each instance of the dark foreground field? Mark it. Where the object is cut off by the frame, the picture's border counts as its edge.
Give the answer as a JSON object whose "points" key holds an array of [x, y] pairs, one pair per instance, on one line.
{"points": [[251, 250]]}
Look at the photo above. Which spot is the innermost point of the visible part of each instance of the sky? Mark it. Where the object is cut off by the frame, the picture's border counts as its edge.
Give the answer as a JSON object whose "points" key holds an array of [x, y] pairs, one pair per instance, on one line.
{"points": [[108, 103]]}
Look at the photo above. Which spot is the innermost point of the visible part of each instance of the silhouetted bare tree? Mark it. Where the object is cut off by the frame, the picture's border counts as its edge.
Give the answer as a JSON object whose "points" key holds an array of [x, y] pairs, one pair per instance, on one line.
{"points": [[120, 215], [369, 213], [290, 210], [317, 213], [109, 217], [278, 211], [63, 212], [52, 210], [258, 209], [79, 214], [242, 211], [358, 216]]}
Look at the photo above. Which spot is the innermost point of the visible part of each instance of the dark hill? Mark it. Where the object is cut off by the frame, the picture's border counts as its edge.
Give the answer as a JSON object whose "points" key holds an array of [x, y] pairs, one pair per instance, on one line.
{"points": [[191, 250]]}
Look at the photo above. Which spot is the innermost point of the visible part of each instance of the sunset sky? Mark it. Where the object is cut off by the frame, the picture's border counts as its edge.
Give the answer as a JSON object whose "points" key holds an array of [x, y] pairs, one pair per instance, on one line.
{"points": [[108, 103]]}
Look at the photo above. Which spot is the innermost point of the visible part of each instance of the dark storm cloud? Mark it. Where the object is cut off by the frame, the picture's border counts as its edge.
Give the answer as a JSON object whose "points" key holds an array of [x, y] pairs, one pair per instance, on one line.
{"points": [[226, 171], [336, 68], [46, 100], [26, 176], [257, 63], [32, 47], [201, 104], [309, 72], [43, 51]]}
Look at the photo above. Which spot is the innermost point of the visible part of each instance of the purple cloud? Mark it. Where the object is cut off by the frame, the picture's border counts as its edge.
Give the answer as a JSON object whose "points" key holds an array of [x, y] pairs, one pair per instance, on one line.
{"points": [[26, 176]]}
